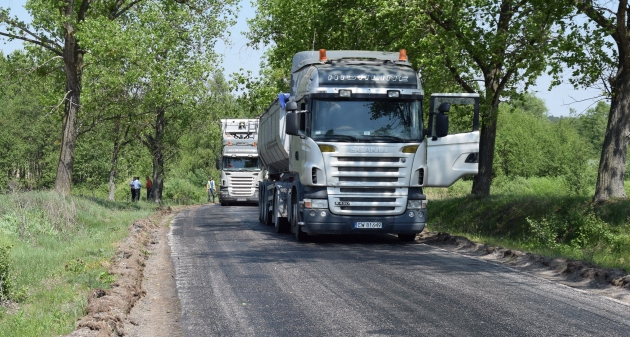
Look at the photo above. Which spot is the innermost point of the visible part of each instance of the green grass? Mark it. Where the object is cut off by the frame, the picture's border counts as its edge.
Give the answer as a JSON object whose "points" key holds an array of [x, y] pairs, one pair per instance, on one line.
{"points": [[539, 216], [61, 248]]}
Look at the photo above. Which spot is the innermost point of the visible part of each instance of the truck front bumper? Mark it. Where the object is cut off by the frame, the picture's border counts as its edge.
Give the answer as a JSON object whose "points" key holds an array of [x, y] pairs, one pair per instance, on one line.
{"points": [[321, 221], [247, 200]]}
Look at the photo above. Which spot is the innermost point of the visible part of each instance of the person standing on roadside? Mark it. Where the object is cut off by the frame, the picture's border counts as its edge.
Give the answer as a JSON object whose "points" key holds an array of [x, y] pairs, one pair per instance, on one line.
{"points": [[133, 190], [149, 185], [210, 189], [136, 186]]}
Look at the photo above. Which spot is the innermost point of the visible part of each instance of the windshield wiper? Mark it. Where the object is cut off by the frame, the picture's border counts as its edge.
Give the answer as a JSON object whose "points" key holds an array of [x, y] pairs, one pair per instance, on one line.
{"points": [[337, 137], [393, 138]]}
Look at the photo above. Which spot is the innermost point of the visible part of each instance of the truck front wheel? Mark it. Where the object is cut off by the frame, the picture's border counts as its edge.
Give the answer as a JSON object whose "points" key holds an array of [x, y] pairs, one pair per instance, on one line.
{"points": [[299, 235], [281, 224]]}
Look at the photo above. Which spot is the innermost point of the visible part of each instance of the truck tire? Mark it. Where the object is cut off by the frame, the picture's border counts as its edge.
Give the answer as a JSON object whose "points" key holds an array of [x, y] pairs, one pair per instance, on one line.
{"points": [[268, 218], [407, 237], [281, 224], [267, 213], [260, 205], [295, 218]]}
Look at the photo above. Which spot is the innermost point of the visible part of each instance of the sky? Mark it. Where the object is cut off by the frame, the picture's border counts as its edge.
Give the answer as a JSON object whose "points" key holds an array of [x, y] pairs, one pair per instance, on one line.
{"points": [[237, 55]]}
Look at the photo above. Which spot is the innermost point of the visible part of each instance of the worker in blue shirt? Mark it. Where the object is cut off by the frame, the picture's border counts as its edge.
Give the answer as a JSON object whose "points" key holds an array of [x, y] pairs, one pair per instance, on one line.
{"points": [[210, 189], [135, 185]]}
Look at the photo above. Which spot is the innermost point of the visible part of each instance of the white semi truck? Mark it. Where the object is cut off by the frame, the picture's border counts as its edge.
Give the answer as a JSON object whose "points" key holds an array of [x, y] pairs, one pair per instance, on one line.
{"points": [[239, 164], [347, 150]]}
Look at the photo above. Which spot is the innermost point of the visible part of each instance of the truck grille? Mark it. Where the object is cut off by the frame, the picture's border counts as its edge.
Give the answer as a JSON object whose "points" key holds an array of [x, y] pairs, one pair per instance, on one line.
{"points": [[367, 208], [373, 184], [368, 169], [370, 159], [369, 179], [378, 190], [241, 186]]}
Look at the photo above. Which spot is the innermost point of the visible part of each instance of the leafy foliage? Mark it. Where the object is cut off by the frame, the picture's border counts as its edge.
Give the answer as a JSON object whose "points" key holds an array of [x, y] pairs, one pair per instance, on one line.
{"points": [[536, 215], [6, 284]]}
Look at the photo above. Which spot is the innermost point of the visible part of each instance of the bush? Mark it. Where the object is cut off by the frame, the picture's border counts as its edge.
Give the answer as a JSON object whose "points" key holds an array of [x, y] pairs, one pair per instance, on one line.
{"points": [[182, 191], [6, 285], [29, 214]]}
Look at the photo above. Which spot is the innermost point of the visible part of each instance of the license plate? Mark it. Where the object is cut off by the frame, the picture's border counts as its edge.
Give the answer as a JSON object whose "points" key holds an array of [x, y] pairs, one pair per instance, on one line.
{"points": [[368, 225], [241, 199]]}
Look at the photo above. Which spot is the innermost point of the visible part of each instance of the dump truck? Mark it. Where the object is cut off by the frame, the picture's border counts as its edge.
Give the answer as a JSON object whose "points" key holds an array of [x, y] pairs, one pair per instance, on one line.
{"points": [[348, 151], [239, 164]]}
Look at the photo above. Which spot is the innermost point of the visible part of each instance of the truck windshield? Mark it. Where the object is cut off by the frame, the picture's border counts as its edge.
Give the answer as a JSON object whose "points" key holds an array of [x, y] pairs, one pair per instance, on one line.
{"points": [[241, 164], [366, 121]]}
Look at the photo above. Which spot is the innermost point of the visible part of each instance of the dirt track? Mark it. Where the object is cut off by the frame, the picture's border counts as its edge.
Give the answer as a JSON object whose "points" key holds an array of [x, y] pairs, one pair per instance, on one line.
{"points": [[143, 301]]}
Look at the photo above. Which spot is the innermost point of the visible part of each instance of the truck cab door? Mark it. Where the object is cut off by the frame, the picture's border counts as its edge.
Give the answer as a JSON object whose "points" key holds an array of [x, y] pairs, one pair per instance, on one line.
{"points": [[455, 155]]}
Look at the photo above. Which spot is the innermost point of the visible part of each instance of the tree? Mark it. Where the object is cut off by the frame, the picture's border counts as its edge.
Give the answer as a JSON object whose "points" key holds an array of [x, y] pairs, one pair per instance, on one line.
{"points": [[597, 49], [507, 42], [62, 28], [591, 126], [28, 136], [168, 69]]}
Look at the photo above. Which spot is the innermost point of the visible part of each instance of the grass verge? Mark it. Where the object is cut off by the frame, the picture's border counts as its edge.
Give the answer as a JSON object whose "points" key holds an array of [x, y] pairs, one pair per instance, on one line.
{"points": [[60, 248], [538, 217]]}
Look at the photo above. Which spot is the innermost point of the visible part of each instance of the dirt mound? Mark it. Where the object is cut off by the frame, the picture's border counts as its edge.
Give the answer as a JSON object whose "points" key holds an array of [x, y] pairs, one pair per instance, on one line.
{"points": [[107, 309], [579, 274]]}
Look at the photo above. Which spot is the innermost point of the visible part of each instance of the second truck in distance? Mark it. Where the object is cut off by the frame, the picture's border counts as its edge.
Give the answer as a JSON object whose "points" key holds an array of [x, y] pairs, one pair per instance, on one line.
{"points": [[347, 150], [240, 168]]}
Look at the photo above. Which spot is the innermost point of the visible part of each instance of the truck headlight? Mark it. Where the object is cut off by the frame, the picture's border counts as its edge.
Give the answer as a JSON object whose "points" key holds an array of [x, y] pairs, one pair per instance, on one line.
{"points": [[416, 204], [315, 203]]}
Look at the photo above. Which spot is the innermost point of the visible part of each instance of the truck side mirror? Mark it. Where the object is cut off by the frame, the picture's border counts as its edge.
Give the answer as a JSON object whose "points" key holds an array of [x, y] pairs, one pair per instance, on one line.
{"points": [[292, 122], [218, 163], [444, 107], [291, 106], [441, 123]]}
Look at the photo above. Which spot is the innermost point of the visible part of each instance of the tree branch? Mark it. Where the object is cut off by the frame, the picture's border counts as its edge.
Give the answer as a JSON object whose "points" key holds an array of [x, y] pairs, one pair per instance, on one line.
{"points": [[120, 11], [587, 7], [39, 43], [435, 16]]}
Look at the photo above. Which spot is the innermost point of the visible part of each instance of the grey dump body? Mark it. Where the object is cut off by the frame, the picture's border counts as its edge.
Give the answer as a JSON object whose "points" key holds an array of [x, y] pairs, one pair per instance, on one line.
{"points": [[240, 168], [353, 157]]}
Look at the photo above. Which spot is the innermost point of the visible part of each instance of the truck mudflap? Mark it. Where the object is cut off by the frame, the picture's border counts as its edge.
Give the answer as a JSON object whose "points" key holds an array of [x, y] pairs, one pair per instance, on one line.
{"points": [[321, 221]]}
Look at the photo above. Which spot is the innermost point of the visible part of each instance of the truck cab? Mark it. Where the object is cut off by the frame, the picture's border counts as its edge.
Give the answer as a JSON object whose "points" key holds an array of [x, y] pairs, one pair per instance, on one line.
{"points": [[356, 151]]}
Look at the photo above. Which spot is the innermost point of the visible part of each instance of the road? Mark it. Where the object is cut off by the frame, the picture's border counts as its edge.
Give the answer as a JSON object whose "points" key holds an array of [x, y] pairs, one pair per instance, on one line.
{"points": [[237, 277]]}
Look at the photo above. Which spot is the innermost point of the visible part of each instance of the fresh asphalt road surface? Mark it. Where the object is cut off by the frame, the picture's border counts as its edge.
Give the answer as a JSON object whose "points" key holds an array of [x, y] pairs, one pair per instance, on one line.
{"points": [[237, 277]]}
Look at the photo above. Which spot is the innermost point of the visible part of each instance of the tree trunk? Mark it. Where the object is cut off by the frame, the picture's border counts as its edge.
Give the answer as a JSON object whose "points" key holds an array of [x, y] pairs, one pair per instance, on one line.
{"points": [[155, 144], [73, 63], [612, 164], [113, 172], [483, 180]]}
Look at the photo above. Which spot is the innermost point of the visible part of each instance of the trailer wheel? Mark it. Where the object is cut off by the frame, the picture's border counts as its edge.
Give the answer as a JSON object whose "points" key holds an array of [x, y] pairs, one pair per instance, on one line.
{"points": [[260, 205], [266, 213], [407, 237], [260, 208]]}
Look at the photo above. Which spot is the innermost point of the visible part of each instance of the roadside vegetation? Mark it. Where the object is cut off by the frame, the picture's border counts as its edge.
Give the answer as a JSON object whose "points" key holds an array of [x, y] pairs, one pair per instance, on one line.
{"points": [[152, 96], [542, 194], [54, 249], [537, 215]]}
